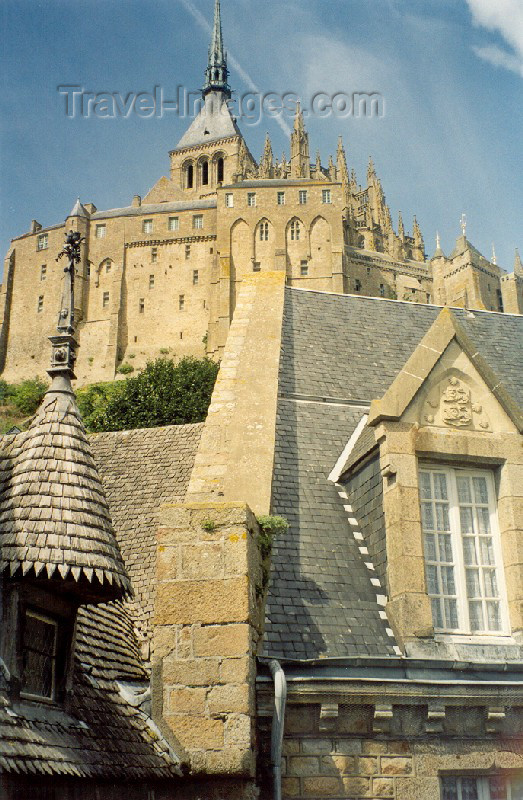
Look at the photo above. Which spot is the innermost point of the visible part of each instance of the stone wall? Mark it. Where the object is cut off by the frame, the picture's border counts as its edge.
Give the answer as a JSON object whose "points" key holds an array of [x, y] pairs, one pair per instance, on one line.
{"points": [[206, 628]]}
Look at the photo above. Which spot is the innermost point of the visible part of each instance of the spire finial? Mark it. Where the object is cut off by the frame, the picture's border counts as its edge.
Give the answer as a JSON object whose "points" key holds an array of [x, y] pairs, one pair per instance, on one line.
{"points": [[438, 241], [63, 342], [216, 74], [463, 223], [494, 256]]}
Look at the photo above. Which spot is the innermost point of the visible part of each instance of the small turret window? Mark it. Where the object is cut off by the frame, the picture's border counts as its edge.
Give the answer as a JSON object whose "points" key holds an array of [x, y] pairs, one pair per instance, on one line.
{"points": [[39, 655]]}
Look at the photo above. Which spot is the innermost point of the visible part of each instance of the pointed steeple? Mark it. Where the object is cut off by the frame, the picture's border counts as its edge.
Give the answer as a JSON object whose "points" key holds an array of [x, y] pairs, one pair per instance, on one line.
{"points": [[371, 171], [341, 158], [216, 74], [300, 156], [267, 160], [518, 265], [401, 227], [439, 252], [79, 210]]}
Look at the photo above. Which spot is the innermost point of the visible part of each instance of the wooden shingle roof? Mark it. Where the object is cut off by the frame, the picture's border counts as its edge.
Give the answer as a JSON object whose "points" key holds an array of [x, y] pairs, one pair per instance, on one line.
{"points": [[54, 517]]}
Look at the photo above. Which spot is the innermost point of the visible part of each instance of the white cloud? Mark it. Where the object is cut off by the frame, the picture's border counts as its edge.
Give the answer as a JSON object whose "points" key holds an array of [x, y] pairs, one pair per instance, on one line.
{"points": [[504, 17]]}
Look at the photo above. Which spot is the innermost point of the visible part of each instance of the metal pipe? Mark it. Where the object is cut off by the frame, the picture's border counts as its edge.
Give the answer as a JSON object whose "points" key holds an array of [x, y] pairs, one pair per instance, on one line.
{"points": [[278, 724]]}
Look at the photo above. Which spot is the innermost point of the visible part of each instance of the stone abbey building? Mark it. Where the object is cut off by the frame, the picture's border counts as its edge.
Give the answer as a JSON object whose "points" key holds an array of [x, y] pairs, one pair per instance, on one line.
{"points": [[165, 272], [156, 643]]}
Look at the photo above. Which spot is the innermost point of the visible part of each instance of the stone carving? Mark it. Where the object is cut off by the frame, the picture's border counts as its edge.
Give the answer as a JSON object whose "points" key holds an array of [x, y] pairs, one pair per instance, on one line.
{"points": [[451, 404]]}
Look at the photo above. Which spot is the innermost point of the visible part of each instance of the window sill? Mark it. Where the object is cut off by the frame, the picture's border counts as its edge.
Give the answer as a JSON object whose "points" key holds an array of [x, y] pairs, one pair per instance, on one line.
{"points": [[475, 639]]}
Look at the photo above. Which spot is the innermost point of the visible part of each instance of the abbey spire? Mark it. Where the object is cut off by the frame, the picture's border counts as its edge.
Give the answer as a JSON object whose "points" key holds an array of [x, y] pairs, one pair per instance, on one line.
{"points": [[300, 154], [216, 74]]}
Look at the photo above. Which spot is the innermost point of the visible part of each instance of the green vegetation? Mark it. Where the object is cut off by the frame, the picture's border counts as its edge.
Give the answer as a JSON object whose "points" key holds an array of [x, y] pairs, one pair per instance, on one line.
{"points": [[165, 393], [18, 401], [270, 527], [125, 369], [209, 525]]}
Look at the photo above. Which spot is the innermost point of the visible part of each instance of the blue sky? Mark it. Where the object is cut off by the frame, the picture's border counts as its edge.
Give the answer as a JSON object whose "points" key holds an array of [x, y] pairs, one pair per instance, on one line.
{"points": [[450, 71]]}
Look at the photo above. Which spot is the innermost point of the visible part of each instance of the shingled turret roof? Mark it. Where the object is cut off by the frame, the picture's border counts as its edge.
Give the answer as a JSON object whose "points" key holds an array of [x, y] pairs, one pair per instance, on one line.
{"points": [[54, 517]]}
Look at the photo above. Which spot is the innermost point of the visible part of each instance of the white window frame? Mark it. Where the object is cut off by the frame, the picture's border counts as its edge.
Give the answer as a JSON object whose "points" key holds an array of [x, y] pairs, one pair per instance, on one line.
{"points": [[106, 299], [281, 198], [42, 242], [482, 785], [251, 199], [148, 226], [174, 223], [295, 230], [326, 197], [197, 222], [464, 627], [229, 200], [100, 231], [264, 231], [303, 197]]}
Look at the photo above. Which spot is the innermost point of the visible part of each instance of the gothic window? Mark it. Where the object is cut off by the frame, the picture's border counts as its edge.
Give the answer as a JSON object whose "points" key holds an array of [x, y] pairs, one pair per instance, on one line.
{"points": [[189, 176], [100, 231], [295, 231], [264, 231], [39, 655], [220, 171], [495, 787], [205, 173], [174, 223], [462, 551], [42, 242]]}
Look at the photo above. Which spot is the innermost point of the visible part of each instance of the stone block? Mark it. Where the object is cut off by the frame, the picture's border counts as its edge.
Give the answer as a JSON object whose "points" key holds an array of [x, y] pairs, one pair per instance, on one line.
{"points": [[322, 787], [222, 640], [186, 701], [196, 672], [301, 766], [167, 563], [395, 765], [201, 561], [238, 728], [235, 553], [229, 699], [367, 766], [338, 764], [197, 733], [291, 787], [164, 641], [383, 787], [302, 719], [291, 747], [316, 747], [230, 761], [355, 719], [184, 647], [237, 670], [348, 746], [206, 602], [357, 787]]}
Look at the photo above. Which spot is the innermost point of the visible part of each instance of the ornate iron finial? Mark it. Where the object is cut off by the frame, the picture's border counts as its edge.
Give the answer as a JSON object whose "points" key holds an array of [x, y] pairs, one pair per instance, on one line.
{"points": [[64, 345], [463, 223]]}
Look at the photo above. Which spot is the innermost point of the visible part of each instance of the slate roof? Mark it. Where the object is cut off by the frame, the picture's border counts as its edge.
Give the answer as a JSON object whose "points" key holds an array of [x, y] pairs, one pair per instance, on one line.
{"points": [[339, 352], [214, 122], [154, 208], [54, 518], [140, 470]]}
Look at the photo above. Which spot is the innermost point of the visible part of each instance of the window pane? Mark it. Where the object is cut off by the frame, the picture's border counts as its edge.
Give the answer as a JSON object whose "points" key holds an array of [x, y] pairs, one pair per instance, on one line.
{"points": [[437, 615], [469, 789], [498, 789], [483, 520], [491, 583], [464, 493], [473, 583], [430, 547], [445, 548], [450, 789], [493, 616], [432, 579], [480, 490], [467, 522], [469, 551], [486, 549], [476, 616], [447, 580], [516, 786], [442, 517], [427, 516], [451, 614], [440, 486], [39, 655], [425, 486]]}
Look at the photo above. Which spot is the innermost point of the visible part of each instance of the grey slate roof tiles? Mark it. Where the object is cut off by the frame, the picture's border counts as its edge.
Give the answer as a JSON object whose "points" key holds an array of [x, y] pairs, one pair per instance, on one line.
{"points": [[321, 601], [54, 517]]}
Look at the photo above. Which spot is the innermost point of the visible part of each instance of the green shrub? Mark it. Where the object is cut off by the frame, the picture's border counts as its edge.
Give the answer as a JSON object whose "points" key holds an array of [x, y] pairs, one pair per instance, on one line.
{"points": [[28, 395], [125, 369], [4, 392], [270, 527], [165, 393], [92, 401]]}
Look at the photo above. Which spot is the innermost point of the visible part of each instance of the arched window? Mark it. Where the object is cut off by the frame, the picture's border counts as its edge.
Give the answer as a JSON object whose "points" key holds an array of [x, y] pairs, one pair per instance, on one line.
{"points": [[220, 170], [205, 173], [295, 231], [264, 231], [190, 177]]}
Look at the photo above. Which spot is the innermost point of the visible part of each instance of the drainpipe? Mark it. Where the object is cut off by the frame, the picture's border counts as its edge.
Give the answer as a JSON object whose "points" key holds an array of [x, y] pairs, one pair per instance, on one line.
{"points": [[278, 724]]}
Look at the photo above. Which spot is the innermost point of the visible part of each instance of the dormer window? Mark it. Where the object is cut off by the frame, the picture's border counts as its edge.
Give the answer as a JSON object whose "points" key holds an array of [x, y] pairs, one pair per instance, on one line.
{"points": [[40, 639]]}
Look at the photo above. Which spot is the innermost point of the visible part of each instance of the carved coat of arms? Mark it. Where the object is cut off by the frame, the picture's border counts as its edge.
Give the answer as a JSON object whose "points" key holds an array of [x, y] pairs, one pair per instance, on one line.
{"points": [[456, 404]]}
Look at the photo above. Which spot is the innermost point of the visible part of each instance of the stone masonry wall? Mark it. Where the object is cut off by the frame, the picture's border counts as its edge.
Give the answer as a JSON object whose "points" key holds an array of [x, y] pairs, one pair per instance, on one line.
{"points": [[206, 629]]}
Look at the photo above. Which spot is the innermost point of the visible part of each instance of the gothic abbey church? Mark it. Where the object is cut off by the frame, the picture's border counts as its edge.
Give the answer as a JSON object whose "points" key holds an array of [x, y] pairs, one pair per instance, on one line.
{"points": [[164, 273]]}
